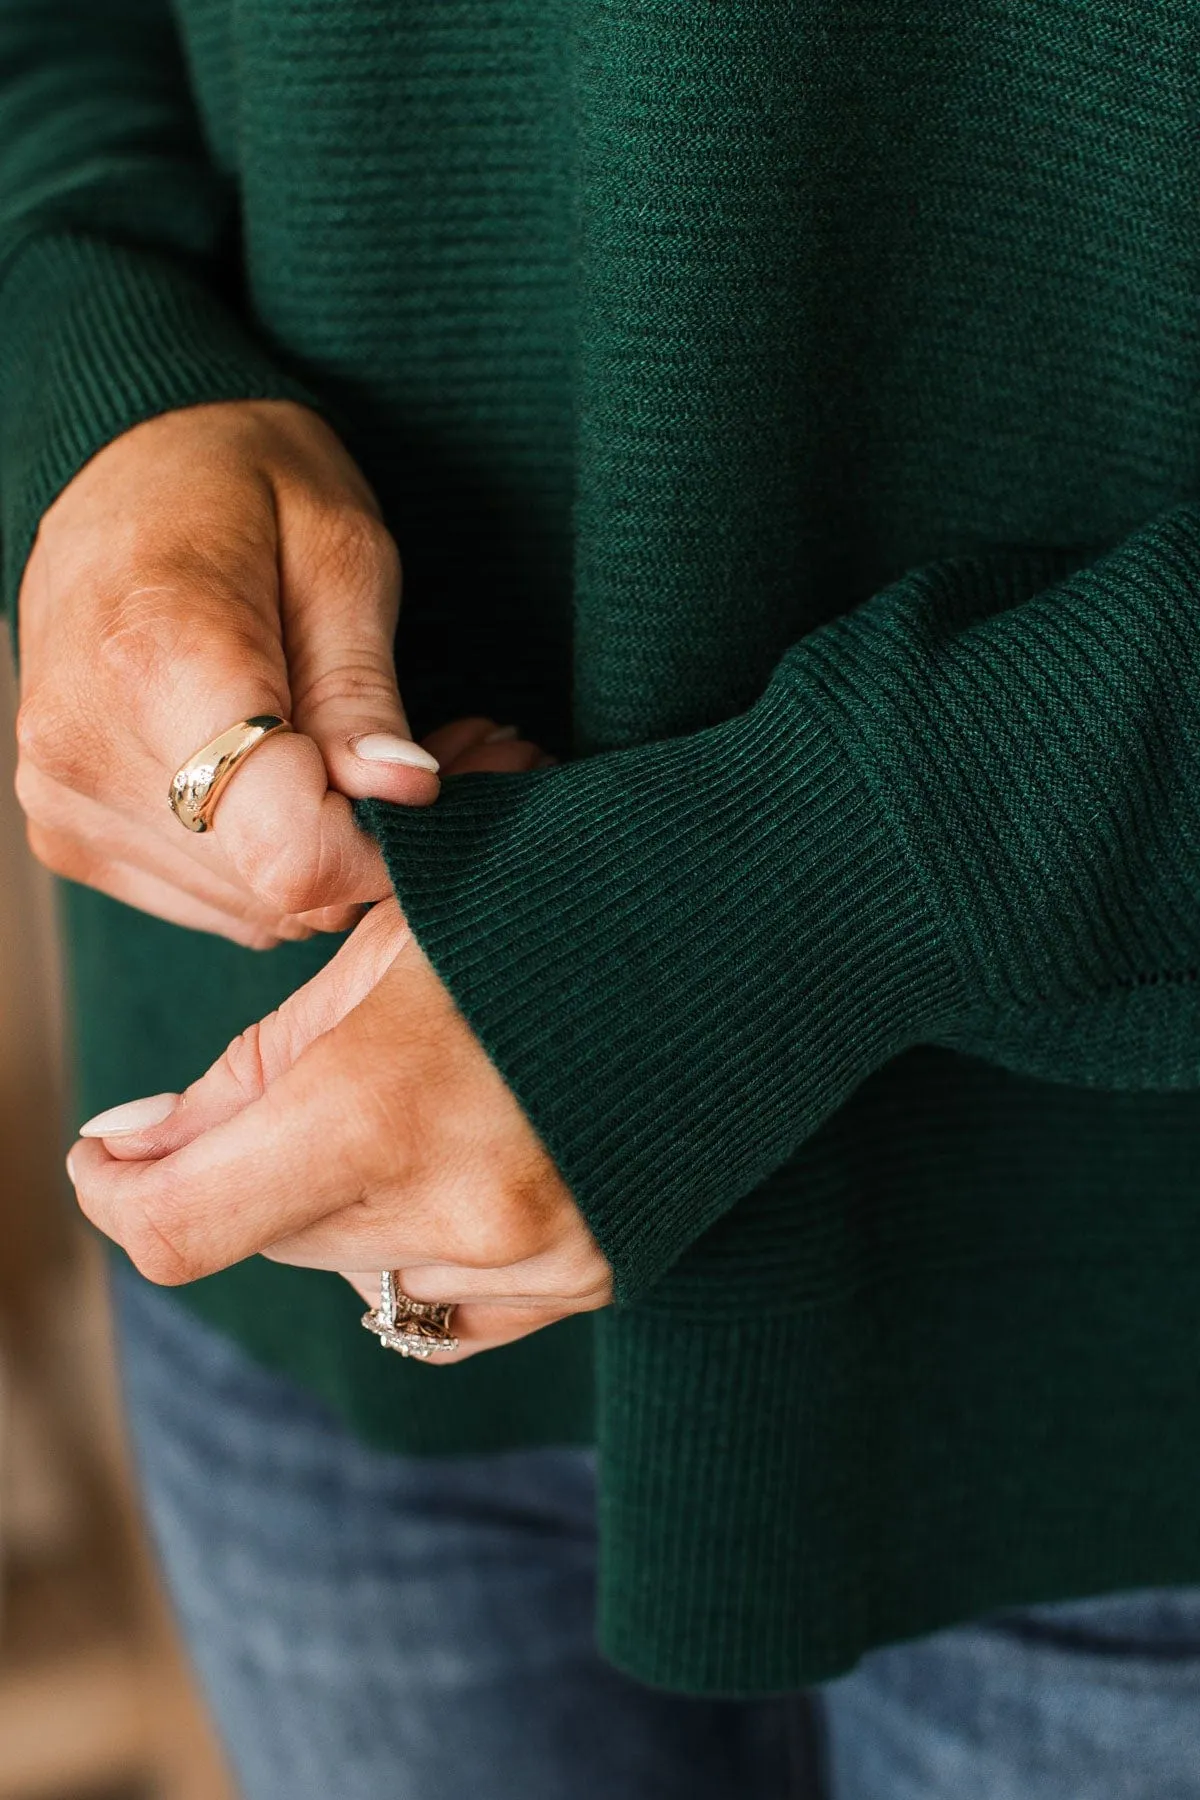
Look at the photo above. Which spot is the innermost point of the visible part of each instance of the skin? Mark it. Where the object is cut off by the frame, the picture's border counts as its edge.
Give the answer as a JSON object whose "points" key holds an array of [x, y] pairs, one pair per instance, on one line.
{"points": [[210, 564], [359, 1127]]}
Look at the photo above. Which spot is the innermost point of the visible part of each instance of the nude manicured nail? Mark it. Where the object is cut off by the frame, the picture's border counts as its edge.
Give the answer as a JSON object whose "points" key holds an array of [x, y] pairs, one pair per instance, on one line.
{"points": [[503, 734], [135, 1115], [384, 747]]}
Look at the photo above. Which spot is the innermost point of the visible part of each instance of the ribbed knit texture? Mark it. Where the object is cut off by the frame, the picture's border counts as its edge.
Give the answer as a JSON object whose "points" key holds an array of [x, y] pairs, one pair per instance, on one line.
{"points": [[788, 412], [660, 889]]}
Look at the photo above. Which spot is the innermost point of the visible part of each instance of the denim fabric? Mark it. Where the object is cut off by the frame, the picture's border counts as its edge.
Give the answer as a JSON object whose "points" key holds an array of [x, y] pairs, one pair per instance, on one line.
{"points": [[1091, 1700], [366, 1624]]}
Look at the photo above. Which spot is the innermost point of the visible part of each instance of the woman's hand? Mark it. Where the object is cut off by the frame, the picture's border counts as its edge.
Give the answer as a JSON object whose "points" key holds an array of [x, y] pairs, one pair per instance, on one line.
{"points": [[360, 1127], [208, 565]]}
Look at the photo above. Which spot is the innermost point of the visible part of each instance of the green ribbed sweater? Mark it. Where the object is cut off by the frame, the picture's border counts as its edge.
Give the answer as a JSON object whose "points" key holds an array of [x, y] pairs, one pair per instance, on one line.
{"points": [[789, 410]]}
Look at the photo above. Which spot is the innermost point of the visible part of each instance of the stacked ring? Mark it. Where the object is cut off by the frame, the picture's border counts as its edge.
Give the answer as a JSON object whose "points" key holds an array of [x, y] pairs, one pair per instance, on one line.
{"points": [[410, 1327]]}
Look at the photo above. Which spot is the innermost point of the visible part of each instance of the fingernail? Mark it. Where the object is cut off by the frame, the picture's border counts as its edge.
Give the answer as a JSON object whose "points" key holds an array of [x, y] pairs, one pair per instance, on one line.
{"points": [[503, 734], [136, 1115], [384, 747]]}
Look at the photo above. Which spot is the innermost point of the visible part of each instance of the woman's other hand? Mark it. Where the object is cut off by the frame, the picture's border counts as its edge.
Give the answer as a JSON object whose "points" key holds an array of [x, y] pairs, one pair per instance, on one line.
{"points": [[359, 1127]]}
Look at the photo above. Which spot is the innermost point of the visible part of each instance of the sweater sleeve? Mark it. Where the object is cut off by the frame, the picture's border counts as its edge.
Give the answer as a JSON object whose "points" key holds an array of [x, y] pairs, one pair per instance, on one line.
{"points": [[115, 245], [965, 814]]}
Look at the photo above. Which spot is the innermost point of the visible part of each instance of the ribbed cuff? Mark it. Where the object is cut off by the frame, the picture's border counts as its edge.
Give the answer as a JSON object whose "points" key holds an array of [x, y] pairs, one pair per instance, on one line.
{"points": [[681, 957], [1030, 723], [94, 338]]}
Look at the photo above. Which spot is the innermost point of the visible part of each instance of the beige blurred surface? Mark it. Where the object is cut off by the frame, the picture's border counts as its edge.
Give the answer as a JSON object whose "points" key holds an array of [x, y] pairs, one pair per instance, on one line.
{"points": [[96, 1702]]}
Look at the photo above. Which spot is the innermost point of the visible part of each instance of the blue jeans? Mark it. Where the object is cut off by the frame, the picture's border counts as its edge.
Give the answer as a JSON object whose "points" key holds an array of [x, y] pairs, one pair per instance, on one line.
{"points": [[368, 1624]]}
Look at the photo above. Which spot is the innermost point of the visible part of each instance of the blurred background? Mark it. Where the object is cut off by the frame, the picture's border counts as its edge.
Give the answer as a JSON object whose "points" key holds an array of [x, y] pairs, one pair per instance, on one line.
{"points": [[96, 1702]]}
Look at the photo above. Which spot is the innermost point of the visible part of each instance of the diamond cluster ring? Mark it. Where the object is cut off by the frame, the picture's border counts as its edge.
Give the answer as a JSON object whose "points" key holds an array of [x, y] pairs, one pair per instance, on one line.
{"points": [[411, 1327]]}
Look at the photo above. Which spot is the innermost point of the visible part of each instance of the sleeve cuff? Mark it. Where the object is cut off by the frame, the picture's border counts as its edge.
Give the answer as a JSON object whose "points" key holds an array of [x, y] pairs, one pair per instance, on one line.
{"points": [[681, 957], [96, 338]]}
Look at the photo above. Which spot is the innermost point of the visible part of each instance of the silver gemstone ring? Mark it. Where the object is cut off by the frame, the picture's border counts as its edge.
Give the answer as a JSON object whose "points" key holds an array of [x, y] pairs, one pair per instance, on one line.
{"points": [[410, 1327]]}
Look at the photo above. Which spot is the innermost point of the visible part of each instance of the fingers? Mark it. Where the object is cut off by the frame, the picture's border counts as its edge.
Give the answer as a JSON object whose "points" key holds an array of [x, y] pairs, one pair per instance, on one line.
{"points": [[324, 1139], [242, 1074], [279, 837], [340, 599], [290, 840], [562, 1282], [511, 758], [139, 888], [459, 737], [564, 1279], [360, 1125], [481, 1328], [260, 1055], [83, 840], [230, 881], [478, 1327], [151, 620], [228, 1194], [477, 746]]}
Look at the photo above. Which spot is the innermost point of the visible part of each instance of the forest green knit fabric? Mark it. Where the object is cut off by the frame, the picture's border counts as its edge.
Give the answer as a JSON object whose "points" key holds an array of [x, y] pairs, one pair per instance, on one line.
{"points": [[789, 411]]}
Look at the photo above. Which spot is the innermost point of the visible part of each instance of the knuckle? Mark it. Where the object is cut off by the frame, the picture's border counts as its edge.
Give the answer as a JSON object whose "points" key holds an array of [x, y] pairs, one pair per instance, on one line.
{"points": [[377, 548], [495, 1233], [51, 851], [41, 738], [27, 789], [47, 802], [29, 729], [362, 543], [148, 643], [356, 683], [512, 1214], [136, 641], [587, 1276], [281, 877], [171, 597], [71, 763], [477, 1244], [526, 1237], [243, 1062], [355, 550], [535, 1196], [156, 1247]]}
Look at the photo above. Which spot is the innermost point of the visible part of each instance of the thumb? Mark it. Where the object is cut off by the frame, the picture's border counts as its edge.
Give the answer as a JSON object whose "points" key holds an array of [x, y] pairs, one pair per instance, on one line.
{"points": [[340, 599], [145, 1130]]}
